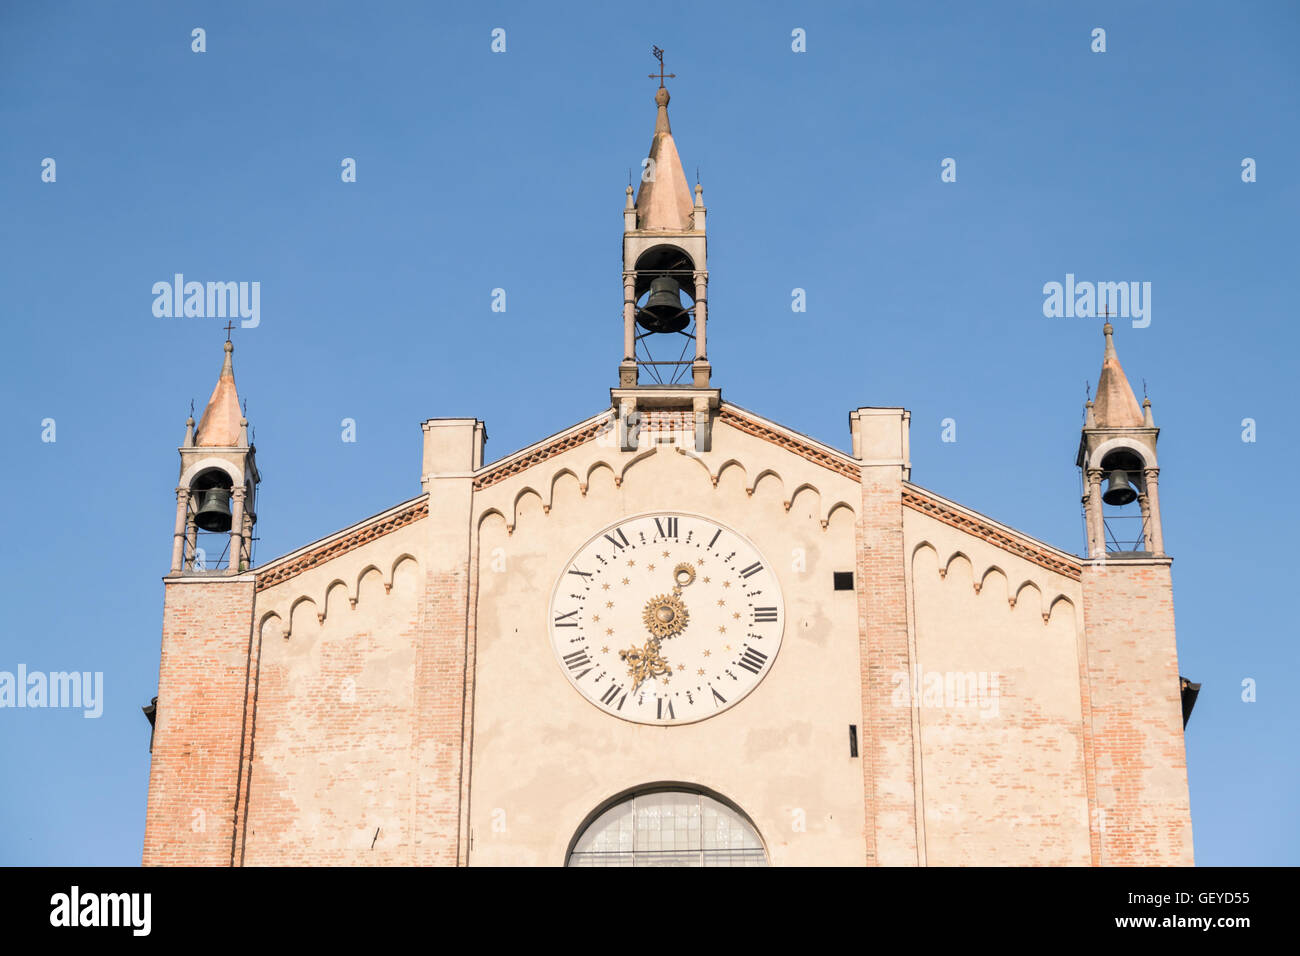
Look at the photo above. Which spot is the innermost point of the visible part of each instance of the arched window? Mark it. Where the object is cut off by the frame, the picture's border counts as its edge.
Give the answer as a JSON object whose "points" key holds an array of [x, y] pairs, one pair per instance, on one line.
{"points": [[668, 827]]}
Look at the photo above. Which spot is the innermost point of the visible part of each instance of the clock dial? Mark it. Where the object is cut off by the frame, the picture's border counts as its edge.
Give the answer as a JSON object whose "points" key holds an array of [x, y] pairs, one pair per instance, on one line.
{"points": [[666, 618]]}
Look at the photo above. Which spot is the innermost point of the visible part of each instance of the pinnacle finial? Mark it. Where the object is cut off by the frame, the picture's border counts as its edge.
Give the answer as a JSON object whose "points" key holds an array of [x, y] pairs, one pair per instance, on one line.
{"points": [[218, 425], [664, 199], [1116, 405]]}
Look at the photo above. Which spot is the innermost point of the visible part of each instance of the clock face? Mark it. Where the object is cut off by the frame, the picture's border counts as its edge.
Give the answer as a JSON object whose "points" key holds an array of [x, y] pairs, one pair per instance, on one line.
{"points": [[666, 618]]}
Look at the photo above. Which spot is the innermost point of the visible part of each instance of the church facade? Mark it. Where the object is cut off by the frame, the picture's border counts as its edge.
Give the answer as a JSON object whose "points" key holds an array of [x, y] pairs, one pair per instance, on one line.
{"points": [[675, 633]]}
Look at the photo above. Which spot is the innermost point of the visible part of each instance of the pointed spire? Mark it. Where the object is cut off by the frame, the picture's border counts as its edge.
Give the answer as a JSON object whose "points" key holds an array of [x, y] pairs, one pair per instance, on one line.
{"points": [[664, 202], [220, 425], [1116, 405]]}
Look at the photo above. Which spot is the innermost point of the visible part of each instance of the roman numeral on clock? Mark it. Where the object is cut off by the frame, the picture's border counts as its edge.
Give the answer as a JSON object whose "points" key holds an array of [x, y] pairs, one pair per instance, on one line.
{"points": [[764, 615], [578, 659], [607, 698], [585, 575], [752, 660], [667, 527], [562, 620], [659, 714], [716, 696], [750, 571], [620, 542]]}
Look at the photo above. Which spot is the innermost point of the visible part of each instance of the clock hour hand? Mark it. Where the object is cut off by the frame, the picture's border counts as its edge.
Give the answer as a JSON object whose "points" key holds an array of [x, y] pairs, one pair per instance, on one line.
{"points": [[645, 662]]}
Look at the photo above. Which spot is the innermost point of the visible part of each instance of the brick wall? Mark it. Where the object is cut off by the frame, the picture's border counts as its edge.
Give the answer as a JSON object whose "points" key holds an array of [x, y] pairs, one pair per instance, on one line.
{"points": [[203, 698], [1139, 757]]}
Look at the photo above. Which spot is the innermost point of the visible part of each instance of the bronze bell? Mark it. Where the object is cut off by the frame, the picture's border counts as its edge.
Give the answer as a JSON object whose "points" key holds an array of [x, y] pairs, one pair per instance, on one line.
{"points": [[663, 310], [1118, 490], [214, 510]]}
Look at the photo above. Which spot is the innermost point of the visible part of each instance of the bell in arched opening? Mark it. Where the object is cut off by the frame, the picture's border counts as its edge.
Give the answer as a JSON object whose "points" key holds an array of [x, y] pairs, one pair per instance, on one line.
{"points": [[213, 512], [663, 310], [1118, 490]]}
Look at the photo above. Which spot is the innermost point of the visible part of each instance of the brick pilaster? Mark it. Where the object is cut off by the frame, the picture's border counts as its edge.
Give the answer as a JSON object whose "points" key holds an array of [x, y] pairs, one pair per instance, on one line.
{"points": [[204, 682], [1143, 809], [443, 691], [887, 739]]}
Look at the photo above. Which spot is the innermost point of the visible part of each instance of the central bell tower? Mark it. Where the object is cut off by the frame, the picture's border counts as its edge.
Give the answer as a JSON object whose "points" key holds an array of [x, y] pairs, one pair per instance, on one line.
{"points": [[665, 294]]}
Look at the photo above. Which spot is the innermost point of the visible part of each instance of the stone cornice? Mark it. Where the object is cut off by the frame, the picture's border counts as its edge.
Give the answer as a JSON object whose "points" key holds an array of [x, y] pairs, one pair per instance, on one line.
{"points": [[522, 461], [803, 447], [1013, 542], [347, 540]]}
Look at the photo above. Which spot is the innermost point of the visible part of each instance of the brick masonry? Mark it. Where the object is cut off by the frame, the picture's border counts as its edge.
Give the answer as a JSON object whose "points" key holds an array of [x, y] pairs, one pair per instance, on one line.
{"points": [[888, 753], [200, 732], [1137, 728]]}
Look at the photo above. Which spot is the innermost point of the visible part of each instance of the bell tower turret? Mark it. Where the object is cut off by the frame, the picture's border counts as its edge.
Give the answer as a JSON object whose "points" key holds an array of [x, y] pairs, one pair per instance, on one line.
{"points": [[665, 361], [1117, 449], [216, 497]]}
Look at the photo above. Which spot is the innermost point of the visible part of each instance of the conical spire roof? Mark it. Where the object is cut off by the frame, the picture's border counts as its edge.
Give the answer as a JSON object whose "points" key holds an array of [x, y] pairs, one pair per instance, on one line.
{"points": [[1116, 405], [664, 202], [219, 427]]}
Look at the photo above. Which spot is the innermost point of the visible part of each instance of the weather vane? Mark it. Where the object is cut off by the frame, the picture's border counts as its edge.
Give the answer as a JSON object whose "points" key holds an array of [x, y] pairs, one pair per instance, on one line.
{"points": [[661, 75]]}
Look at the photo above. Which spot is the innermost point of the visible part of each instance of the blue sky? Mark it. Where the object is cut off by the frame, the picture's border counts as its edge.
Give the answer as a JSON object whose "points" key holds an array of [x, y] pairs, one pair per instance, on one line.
{"points": [[479, 171]]}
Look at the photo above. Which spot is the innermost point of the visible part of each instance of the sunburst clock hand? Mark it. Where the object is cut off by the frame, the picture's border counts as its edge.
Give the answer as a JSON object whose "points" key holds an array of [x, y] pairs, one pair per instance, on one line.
{"points": [[665, 616]]}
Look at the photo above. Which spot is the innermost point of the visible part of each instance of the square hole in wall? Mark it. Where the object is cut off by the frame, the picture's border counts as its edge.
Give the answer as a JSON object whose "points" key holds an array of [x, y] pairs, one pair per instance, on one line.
{"points": [[844, 580]]}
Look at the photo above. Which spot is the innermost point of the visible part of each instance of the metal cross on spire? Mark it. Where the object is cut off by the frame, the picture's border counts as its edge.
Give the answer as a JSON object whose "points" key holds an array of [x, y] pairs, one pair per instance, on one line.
{"points": [[661, 75], [229, 326]]}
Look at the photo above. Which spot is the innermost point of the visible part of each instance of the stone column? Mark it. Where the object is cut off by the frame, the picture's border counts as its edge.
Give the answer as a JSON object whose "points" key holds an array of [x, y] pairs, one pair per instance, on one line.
{"points": [[1144, 503], [178, 535], [1093, 517], [236, 530], [700, 370], [701, 315], [627, 371], [191, 541], [246, 547], [1153, 502]]}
